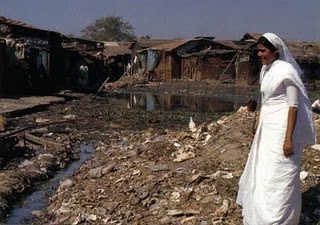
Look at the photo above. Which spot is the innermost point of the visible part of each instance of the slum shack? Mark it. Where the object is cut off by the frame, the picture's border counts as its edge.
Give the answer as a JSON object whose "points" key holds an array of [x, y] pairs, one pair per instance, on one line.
{"points": [[307, 56], [32, 57], [246, 63], [83, 63], [124, 61], [118, 59], [204, 58], [139, 48], [201, 59], [161, 62], [305, 53], [198, 59]]}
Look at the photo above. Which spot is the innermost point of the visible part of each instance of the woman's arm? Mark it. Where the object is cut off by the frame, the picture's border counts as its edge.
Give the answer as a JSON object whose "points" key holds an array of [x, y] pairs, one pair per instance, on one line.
{"points": [[292, 118], [292, 97]]}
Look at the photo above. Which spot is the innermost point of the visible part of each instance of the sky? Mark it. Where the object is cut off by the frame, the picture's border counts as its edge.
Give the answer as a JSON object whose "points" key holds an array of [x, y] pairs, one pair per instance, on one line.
{"points": [[294, 20]]}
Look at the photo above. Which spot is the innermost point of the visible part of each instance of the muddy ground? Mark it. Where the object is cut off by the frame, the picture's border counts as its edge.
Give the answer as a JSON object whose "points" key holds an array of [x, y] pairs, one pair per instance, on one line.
{"points": [[147, 168]]}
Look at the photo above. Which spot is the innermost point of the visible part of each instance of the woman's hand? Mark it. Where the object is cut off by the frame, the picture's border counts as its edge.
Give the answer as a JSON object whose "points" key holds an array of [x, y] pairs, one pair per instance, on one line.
{"points": [[288, 148], [252, 133]]}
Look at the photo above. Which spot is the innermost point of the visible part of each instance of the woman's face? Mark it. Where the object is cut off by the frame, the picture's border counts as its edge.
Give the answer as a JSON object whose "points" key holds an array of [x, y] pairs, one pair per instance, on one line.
{"points": [[266, 55]]}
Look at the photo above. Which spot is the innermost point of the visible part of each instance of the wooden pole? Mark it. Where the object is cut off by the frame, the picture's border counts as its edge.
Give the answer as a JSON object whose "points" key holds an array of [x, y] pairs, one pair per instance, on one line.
{"points": [[104, 83]]}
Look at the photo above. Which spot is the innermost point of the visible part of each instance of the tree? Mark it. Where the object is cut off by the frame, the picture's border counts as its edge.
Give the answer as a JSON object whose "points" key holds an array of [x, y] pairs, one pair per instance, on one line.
{"points": [[146, 37], [109, 28], [71, 35]]}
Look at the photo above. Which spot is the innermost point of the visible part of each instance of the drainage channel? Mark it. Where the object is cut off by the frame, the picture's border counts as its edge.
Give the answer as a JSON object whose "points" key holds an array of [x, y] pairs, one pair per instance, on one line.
{"points": [[22, 214]]}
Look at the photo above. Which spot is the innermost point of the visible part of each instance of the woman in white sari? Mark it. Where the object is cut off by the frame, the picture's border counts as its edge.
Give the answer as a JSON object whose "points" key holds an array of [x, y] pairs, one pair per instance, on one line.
{"points": [[269, 188]]}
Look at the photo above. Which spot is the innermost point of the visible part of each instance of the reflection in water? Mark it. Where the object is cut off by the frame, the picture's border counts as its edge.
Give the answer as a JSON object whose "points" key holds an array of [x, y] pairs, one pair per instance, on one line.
{"points": [[168, 102], [150, 102]]}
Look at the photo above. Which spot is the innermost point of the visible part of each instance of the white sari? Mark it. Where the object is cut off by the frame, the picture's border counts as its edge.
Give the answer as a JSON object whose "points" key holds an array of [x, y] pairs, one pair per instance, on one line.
{"points": [[269, 188]]}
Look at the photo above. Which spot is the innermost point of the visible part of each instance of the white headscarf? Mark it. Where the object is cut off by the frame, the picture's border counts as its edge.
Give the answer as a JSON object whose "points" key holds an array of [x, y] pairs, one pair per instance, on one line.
{"points": [[284, 53]]}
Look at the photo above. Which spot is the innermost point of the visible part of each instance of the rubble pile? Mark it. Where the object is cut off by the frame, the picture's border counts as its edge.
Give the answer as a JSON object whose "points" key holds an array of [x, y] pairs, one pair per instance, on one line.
{"points": [[160, 168]]}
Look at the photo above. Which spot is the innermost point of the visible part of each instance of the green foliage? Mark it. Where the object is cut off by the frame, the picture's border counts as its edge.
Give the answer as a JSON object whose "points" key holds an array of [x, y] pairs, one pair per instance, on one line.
{"points": [[109, 28]]}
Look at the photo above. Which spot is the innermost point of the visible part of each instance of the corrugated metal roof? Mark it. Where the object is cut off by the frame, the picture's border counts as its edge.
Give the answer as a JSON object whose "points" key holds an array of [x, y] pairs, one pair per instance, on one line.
{"points": [[304, 50], [81, 40], [169, 46], [176, 44], [8, 21], [18, 23], [208, 52], [148, 43], [228, 43], [251, 36], [117, 48], [111, 44]]}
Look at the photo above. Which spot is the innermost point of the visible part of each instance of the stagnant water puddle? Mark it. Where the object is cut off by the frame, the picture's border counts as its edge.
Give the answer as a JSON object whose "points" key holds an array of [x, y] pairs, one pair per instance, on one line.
{"points": [[21, 214], [169, 102]]}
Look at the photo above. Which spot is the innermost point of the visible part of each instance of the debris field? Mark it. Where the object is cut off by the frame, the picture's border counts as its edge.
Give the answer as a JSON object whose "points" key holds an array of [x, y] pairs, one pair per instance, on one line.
{"points": [[156, 167]]}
